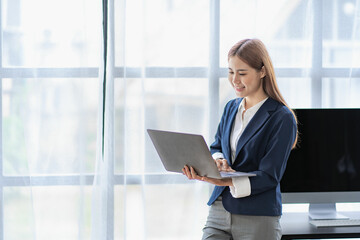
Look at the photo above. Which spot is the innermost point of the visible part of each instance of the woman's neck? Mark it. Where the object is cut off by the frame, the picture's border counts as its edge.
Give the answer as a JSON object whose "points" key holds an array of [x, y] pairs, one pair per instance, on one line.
{"points": [[252, 101]]}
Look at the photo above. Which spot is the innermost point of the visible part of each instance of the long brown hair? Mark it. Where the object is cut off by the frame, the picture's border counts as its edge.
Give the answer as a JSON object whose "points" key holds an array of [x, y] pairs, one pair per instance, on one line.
{"points": [[254, 53]]}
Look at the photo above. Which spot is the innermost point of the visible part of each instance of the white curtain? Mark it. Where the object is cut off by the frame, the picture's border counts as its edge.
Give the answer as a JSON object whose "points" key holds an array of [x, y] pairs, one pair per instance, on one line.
{"points": [[150, 45], [50, 55], [68, 171]]}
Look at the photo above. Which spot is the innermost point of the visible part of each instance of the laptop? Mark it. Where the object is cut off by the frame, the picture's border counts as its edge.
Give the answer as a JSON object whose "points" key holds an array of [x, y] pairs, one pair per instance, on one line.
{"points": [[179, 149]]}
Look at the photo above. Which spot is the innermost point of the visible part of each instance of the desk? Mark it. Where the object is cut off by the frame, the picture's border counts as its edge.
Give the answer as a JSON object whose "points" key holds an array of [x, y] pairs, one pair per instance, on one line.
{"points": [[297, 226]]}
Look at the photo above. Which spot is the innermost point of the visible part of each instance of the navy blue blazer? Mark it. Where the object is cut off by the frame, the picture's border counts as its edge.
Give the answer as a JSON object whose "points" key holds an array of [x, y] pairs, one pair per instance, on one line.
{"points": [[263, 149]]}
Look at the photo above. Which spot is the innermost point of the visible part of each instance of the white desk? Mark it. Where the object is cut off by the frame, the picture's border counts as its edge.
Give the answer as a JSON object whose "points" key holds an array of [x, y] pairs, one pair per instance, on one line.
{"points": [[297, 226]]}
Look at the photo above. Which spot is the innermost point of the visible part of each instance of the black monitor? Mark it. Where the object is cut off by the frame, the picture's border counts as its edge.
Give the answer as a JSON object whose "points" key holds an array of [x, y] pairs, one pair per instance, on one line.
{"points": [[325, 167]]}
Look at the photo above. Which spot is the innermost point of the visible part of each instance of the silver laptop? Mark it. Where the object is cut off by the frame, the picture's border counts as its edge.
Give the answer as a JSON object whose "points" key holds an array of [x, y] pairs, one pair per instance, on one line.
{"points": [[179, 149]]}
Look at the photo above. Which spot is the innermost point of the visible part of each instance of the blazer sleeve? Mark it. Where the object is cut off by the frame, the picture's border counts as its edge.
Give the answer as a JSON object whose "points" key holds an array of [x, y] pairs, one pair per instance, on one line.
{"points": [[273, 163], [216, 145]]}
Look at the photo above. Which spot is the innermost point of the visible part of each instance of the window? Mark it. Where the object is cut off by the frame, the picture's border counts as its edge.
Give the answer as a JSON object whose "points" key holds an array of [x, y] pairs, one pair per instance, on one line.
{"points": [[170, 72]]}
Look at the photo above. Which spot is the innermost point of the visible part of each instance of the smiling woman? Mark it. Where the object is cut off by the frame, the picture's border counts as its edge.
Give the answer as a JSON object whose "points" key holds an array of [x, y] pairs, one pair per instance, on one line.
{"points": [[260, 109]]}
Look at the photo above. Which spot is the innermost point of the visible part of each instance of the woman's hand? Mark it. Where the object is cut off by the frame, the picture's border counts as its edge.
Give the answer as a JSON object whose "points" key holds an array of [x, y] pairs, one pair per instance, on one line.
{"points": [[191, 174], [223, 165]]}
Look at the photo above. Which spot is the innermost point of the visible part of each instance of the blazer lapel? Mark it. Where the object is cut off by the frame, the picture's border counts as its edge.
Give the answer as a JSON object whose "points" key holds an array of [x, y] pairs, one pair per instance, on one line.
{"points": [[256, 122], [229, 129]]}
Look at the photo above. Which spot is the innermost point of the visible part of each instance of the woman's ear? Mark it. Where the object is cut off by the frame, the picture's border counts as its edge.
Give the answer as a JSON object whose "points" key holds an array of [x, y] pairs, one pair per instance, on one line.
{"points": [[262, 72]]}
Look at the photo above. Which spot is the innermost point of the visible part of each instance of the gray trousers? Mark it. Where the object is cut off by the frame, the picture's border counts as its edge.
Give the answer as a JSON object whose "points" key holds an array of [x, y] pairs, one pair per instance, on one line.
{"points": [[221, 224]]}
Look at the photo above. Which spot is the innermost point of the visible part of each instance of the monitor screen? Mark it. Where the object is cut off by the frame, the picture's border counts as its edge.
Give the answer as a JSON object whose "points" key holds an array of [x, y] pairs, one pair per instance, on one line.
{"points": [[327, 158]]}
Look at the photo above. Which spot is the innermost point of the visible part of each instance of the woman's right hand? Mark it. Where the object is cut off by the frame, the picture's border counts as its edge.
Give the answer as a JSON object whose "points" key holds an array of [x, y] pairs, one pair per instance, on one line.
{"points": [[223, 165]]}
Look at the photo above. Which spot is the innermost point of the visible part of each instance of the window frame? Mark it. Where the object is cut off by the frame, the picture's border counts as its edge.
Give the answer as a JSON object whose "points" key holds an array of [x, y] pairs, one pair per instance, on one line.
{"points": [[213, 73]]}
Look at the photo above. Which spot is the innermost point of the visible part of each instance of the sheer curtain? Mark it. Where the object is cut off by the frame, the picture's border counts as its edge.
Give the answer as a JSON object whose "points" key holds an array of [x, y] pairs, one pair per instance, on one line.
{"points": [[50, 55], [160, 82], [76, 161]]}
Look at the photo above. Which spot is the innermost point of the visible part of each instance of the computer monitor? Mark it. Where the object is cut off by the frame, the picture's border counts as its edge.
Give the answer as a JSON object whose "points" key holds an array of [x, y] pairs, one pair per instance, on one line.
{"points": [[325, 167]]}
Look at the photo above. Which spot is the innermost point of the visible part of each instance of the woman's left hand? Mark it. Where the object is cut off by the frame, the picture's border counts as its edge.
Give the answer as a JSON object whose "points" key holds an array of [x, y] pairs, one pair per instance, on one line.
{"points": [[191, 174]]}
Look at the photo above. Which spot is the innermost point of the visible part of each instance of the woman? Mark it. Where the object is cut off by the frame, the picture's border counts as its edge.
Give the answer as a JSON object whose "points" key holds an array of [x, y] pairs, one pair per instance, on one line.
{"points": [[256, 134]]}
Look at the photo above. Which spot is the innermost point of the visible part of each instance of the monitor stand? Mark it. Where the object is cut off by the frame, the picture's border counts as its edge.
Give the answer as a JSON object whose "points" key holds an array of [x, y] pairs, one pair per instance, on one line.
{"points": [[318, 211]]}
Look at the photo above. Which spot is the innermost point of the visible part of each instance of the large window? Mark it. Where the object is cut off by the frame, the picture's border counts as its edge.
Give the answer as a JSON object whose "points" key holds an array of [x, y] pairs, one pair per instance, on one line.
{"points": [[170, 72]]}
